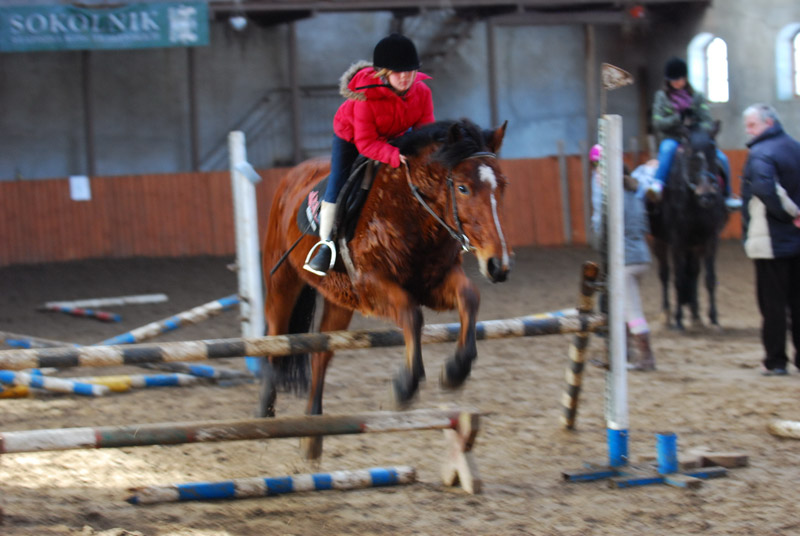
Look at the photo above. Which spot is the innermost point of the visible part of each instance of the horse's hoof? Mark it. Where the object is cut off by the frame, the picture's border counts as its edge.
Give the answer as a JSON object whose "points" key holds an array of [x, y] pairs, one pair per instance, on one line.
{"points": [[266, 403], [697, 324], [263, 412], [405, 387], [454, 374]]}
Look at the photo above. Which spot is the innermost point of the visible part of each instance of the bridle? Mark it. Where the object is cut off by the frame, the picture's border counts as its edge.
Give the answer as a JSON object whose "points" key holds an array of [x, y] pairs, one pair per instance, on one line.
{"points": [[458, 234]]}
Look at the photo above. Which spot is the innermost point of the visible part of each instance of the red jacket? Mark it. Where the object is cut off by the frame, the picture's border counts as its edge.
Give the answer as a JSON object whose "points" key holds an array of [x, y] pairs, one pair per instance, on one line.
{"points": [[372, 116]]}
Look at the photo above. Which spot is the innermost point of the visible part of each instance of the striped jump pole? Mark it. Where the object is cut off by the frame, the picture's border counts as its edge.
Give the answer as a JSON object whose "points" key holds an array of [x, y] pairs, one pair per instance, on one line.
{"points": [[177, 433], [123, 383], [48, 383], [14, 391], [27, 341], [110, 302], [103, 316], [241, 488], [201, 371], [192, 316], [280, 345], [578, 347]]}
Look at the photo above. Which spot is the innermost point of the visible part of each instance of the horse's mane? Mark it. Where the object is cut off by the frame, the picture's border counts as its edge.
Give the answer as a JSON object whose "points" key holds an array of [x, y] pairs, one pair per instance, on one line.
{"points": [[459, 140]]}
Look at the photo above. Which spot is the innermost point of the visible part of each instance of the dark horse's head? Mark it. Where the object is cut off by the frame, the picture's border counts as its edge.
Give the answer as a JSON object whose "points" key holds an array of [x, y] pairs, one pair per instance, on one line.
{"points": [[695, 166], [456, 164]]}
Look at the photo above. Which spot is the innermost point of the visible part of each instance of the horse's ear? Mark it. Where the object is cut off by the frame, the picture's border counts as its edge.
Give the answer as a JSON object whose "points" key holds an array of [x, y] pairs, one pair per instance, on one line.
{"points": [[455, 133], [495, 138], [715, 128]]}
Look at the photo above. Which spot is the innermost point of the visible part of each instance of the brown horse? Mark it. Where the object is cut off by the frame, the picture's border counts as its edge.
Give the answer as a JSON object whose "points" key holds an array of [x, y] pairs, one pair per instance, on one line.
{"points": [[405, 252]]}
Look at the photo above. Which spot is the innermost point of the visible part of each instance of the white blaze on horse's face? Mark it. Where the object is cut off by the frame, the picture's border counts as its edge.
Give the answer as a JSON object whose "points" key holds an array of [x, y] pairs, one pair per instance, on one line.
{"points": [[488, 176]]}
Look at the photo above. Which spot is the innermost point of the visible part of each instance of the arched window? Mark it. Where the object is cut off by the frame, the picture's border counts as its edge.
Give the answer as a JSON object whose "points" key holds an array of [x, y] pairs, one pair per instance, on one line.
{"points": [[796, 63], [787, 61], [708, 66]]}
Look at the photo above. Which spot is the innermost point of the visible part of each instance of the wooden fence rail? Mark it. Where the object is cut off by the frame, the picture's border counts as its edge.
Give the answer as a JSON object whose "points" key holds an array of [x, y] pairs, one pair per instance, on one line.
{"points": [[190, 214]]}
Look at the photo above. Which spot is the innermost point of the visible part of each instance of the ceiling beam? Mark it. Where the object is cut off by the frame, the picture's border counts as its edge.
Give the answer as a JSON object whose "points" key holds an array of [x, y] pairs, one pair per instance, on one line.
{"points": [[228, 6]]}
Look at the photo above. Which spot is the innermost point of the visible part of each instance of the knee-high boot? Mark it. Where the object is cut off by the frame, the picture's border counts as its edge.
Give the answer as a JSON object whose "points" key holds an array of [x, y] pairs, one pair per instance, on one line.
{"points": [[325, 249], [645, 360]]}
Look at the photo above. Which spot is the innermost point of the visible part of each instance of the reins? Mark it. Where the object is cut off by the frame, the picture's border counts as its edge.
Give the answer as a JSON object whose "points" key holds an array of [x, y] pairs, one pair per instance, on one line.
{"points": [[459, 235]]}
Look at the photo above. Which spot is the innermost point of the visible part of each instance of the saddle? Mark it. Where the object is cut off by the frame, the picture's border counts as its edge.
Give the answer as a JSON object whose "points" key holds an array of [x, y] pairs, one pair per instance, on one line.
{"points": [[349, 202]]}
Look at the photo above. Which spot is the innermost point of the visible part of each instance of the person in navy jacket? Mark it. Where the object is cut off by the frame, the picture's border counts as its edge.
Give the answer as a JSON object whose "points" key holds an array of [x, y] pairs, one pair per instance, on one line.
{"points": [[385, 99], [771, 230]]}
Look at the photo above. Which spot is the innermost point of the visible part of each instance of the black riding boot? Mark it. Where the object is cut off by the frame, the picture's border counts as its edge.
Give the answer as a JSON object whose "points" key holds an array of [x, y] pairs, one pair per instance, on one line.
{"points": [[321, 262]]}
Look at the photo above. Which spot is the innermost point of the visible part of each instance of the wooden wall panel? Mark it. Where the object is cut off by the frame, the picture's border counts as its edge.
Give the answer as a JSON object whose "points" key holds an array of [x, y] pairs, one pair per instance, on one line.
{"points": [[188, 214], [577, 184], [733, 229], [519, 222]]}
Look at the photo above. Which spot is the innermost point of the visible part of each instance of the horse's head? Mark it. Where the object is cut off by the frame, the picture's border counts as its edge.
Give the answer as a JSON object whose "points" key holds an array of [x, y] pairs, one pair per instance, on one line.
{"points": [[699, 169], [471, 200]]}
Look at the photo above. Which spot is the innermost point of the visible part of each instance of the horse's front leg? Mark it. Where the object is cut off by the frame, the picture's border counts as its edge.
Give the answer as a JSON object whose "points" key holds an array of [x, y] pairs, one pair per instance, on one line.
{"points": [[390, 300], [711, 284], [458, 291], [693, 279], [661, 252], [680, 282]]}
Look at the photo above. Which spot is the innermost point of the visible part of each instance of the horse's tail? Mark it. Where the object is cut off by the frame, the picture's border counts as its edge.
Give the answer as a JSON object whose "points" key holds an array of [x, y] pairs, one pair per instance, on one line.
{"points": [[292, 371]]}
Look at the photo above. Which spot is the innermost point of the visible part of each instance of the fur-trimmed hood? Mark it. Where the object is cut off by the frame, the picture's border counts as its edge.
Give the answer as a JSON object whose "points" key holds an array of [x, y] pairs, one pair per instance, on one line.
{"points": [[364, 81], [347, 76]]}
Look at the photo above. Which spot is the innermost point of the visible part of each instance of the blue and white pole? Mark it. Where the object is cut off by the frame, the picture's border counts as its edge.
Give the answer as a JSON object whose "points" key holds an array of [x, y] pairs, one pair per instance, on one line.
{"points": [[264, 487], [58, 385], [192, 316], [610, 135]]}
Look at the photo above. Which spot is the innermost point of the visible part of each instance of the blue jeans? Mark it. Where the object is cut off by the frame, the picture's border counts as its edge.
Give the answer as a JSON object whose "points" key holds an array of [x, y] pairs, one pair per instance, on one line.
{"points": [[666, 152], [343, 154]]}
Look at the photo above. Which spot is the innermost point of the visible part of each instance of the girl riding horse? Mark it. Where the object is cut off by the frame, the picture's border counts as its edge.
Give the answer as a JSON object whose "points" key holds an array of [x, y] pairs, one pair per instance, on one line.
{"points": [[676, 107], [384, 100]]}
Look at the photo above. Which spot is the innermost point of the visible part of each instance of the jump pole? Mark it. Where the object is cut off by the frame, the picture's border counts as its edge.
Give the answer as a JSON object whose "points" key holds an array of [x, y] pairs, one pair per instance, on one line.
{"points": [[248, 267], [111, 301], [279, 345], [460, 427], [242, 488], [192, 316]]}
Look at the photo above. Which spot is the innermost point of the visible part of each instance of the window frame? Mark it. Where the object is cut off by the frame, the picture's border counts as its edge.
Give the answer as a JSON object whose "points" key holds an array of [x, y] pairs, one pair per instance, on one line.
{"points": [[787, 62], [698, 63]]}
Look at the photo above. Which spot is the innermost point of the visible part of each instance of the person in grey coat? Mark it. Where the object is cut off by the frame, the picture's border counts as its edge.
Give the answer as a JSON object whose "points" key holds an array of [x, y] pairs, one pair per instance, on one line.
{"points": [[637, 255], [771, 231], [637, 263]]}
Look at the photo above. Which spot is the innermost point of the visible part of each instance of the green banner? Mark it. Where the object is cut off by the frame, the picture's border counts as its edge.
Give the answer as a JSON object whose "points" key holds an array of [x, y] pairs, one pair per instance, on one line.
{"points": [[62, 27]]}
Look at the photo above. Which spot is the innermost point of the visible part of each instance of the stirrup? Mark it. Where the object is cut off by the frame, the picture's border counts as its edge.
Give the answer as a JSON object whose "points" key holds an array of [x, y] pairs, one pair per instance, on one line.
{"points": [[733, 203], [318, 270]]}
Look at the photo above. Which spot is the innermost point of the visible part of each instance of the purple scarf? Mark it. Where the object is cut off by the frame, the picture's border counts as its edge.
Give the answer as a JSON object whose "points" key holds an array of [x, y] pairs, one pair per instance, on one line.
{"points": [[680, 99]]}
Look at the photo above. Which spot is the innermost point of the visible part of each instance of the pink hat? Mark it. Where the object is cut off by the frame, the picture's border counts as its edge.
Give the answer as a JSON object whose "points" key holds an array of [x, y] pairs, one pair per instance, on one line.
{"points": [[596, 153]]}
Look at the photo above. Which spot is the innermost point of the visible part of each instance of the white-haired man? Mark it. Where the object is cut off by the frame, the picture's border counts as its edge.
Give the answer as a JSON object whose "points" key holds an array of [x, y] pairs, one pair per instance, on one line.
{"points": [[771, 230]]}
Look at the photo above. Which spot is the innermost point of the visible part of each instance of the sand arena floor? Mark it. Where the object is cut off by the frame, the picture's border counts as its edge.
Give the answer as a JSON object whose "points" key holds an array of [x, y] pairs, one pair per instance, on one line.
{"points": [[707, 390]]}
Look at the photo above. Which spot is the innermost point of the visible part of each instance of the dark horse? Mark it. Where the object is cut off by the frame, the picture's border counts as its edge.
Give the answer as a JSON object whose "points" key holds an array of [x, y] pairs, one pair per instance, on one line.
{"points": [[686, 225], [405, 253]]}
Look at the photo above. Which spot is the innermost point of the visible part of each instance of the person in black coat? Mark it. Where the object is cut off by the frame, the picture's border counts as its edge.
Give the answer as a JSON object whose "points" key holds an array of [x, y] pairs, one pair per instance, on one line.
{"points": [[771, 230]]}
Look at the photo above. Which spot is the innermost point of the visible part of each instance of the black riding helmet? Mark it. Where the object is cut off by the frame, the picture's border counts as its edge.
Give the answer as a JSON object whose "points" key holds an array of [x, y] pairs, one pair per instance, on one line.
{"points": [[396, 53], [675, 69]]}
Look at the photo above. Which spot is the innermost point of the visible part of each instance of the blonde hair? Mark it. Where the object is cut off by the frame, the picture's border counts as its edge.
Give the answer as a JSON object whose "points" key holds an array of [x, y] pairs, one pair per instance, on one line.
{"points": [[382, 72]]}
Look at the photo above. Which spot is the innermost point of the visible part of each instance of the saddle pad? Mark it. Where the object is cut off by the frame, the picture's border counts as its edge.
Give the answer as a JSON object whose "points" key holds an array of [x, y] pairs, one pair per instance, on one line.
{"points": [[351, 198], [308, 213]]}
